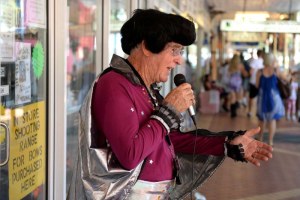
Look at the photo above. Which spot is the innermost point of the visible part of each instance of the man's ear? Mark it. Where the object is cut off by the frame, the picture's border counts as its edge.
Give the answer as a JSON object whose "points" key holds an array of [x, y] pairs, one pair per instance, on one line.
{"points": [[146, 52]]}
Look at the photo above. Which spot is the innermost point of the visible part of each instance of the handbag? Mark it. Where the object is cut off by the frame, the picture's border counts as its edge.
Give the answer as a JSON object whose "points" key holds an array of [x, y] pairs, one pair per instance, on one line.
{"points": [[284, 88], [97, 174]]}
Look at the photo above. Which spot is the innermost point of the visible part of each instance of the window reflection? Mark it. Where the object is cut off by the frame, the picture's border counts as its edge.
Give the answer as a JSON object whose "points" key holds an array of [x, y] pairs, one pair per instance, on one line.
{"points": [[118, 16], [23, 99], [81, 60], [80, 69]]}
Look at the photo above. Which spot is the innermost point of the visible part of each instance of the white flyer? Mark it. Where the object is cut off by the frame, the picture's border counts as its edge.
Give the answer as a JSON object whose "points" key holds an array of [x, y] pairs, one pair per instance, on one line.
{"points": [[22, 73], [7, 30], [35, 13]]}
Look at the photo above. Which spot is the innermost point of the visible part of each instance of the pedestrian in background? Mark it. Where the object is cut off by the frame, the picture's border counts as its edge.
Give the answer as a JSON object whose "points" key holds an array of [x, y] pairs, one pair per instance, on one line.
{"points": [[255, 65], [235, 70], [291, 101], [270, 107]]}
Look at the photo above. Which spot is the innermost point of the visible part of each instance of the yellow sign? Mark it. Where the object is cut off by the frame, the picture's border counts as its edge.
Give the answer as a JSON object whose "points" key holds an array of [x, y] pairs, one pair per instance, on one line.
{"points": [[27, 150]]}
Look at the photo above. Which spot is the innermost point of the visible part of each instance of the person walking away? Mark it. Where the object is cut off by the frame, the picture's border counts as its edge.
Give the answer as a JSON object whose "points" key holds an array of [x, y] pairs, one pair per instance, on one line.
{"points": [[235, 83], [255, 65], [291, 101], [246, 78], [270, 107], [224, 80]]}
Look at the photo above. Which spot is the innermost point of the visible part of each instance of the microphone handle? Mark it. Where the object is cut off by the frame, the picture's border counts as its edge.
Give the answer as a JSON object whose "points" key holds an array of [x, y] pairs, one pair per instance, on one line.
{"points": [[191, 111], [192, 114]]}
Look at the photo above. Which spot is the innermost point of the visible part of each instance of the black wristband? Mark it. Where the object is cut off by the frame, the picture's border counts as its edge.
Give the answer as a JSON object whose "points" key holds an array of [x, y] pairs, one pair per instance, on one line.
{"points": [[235, 134], [168, 116], [236, 152]]}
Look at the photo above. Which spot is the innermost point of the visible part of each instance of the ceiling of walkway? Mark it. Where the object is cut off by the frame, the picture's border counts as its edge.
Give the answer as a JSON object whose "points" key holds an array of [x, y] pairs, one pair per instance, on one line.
{"points": [[262, 9], [278, 6]]}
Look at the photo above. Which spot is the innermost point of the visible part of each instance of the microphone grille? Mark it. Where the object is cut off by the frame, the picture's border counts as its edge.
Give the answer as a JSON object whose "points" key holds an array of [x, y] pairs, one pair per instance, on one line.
{"points": [[179, 79]]}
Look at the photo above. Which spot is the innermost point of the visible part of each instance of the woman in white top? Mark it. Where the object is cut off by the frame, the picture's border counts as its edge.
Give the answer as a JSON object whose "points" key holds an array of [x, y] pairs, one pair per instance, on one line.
{"points": [[291, 101]]}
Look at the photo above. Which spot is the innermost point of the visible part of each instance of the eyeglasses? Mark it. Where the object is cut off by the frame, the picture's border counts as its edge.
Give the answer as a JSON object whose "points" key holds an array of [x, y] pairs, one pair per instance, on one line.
{"points": [[177, 51]]}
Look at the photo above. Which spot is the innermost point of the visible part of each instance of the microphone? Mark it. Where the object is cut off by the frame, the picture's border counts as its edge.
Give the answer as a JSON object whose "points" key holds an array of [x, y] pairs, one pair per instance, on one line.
{"points": [[178, 80]]}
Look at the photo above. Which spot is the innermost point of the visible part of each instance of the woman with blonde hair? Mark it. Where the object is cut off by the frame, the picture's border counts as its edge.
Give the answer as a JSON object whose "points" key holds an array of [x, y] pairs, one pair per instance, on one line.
{"points": [[269, 103], [235, 70]]}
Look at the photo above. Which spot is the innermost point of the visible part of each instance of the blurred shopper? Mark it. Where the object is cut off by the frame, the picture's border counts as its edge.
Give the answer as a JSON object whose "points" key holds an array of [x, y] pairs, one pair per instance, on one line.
{"points": [[224, 81], [235, 70], [291, 101], [246, 79], [269, 103], [210, 84], [255, 65], [250, 59]]}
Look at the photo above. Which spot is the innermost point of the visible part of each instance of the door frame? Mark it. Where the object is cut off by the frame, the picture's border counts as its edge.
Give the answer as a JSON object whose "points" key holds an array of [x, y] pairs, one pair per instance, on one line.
{"points": [[56, 185]]}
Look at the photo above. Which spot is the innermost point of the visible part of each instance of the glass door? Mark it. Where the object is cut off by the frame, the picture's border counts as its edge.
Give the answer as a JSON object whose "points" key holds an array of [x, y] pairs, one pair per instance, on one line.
{"points": [[120, 11], [23, 99], [81, 69]]}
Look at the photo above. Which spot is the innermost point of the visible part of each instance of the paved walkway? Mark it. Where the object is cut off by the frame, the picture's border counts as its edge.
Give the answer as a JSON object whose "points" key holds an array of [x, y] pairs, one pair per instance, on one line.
{"points": [[278, 179]]}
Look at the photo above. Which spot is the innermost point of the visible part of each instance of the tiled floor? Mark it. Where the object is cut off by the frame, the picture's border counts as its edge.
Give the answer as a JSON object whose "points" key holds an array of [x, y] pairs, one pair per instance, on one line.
{"points": [[278, 179]]}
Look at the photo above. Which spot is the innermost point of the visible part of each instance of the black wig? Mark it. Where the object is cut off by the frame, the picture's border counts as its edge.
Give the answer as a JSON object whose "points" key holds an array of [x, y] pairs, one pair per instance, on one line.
{"points": [[156, 29]]}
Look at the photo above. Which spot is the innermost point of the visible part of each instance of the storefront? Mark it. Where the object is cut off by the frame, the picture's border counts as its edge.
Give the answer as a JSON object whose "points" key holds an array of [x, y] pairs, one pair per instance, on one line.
{"points": [[24, 99]]}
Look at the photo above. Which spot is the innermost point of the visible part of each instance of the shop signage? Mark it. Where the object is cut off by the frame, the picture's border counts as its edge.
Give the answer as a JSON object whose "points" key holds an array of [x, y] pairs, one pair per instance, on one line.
{"points": [[7, 25], [35, 15], [246, 36], [261, 26], [27, 153], [22, 73]]}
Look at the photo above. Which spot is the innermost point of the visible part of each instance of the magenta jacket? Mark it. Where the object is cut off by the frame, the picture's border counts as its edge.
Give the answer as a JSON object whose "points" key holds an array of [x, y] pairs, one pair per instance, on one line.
{"points": [[121, 110]]}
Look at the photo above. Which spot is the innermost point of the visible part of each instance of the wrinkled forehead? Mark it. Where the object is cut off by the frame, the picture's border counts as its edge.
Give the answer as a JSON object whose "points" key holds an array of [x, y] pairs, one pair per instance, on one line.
{"points": [[174, 45]]}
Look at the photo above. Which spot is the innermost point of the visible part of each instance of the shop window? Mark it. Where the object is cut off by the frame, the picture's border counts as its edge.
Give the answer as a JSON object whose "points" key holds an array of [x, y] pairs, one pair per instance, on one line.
{"points": [[23, 93], [118, 16], [81, 69]]}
